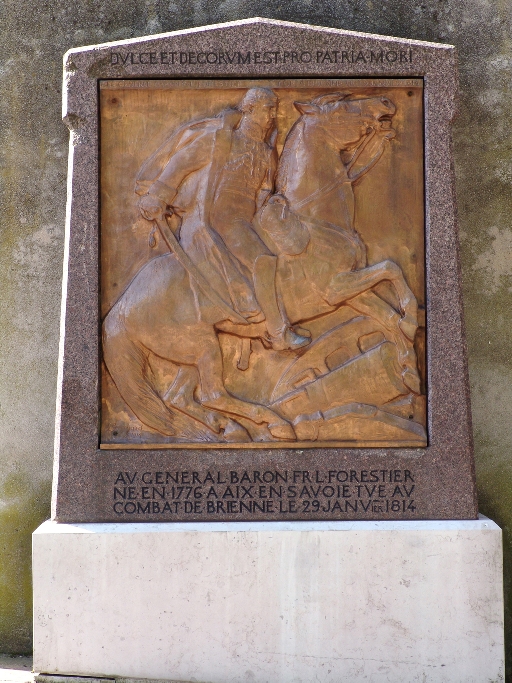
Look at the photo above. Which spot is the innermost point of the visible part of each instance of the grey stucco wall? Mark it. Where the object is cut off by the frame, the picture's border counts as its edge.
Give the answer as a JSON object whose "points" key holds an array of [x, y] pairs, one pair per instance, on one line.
{"points": [[33, 155]]}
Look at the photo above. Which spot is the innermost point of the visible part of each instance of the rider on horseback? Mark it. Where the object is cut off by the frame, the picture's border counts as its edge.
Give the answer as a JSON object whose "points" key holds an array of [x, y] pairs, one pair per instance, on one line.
{"points": [[215, 175]]}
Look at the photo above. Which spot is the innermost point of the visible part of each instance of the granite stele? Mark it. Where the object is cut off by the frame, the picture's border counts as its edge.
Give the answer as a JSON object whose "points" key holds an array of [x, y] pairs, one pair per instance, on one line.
{"points": [[262, 324]]}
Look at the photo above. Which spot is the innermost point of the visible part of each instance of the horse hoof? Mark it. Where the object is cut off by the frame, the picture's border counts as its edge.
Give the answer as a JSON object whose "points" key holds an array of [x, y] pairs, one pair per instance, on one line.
{"points": [[408, 328], [258, 432], [412, 381], [282, 431], [306, 426], [302, 331], [235, 433]]}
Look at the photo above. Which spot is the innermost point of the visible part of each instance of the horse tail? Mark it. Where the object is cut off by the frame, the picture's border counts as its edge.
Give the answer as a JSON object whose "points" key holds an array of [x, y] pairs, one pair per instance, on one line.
{"points": [[127, 363]]}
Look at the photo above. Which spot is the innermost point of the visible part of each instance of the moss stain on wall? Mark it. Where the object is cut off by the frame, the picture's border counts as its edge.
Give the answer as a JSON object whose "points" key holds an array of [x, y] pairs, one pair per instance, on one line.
{"points": [[23, 508]]}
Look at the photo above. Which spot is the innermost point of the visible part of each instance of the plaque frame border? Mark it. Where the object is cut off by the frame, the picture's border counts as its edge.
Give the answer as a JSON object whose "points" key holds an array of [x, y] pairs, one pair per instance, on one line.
{"points": [[296, 82]]}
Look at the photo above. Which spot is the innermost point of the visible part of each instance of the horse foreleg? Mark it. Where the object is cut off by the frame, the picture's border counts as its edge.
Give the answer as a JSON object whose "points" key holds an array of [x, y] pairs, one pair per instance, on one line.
{"points": [[345, 286], [374, 307], [408, 303], [215, 396]]}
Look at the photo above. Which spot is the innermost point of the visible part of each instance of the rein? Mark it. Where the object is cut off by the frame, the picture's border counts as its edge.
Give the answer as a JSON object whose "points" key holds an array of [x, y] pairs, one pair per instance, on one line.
{"points": [[341, 178]]}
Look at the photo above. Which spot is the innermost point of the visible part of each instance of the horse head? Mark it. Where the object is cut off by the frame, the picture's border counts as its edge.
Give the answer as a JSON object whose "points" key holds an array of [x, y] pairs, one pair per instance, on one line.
{"points": [[347, 119], [337, 139]]}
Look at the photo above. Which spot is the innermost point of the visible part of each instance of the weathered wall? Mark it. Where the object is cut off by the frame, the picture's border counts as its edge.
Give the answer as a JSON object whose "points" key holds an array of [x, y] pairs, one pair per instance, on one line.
{"points": [[33, 151]]}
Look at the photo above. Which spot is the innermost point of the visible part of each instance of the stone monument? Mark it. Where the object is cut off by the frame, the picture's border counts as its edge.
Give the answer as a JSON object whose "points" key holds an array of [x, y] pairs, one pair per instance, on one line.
{"points": [[261, 323]]}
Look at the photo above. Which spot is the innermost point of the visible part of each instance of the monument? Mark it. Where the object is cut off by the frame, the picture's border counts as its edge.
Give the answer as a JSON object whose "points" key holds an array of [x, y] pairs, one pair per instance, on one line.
{"points": [[270, 254], [261, 323]]}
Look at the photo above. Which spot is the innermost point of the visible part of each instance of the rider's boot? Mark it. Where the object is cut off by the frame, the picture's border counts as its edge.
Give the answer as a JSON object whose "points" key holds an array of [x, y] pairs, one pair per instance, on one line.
{"points": [[282, 336]]}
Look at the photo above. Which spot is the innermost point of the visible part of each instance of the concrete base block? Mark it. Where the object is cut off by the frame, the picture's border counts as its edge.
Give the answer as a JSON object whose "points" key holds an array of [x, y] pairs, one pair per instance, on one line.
{"points": [[272, 602]]}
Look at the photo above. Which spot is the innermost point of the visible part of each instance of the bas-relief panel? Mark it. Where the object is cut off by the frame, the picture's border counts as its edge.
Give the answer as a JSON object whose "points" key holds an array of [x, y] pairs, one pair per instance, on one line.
{"points": [[262, 263]]}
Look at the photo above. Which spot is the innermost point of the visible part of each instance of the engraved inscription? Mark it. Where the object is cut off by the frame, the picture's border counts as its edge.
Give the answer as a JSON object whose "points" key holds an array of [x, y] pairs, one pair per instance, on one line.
{"points": [[254, 57], [330, 493], [266, 305]]}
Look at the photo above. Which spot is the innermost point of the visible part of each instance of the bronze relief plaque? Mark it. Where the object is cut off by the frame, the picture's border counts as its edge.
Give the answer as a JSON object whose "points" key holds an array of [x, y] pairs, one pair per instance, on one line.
{"points": [[262, 263], [262, 312]]}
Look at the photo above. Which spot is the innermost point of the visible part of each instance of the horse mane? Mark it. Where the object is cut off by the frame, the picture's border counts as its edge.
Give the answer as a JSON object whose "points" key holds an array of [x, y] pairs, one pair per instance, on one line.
{"points": [[326, 102], [330, 100], [287, 155]]}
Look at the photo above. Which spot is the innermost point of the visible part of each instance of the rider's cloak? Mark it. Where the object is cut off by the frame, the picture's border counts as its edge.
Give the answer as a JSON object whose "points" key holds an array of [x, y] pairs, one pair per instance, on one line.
{"points": [[184, 172]]}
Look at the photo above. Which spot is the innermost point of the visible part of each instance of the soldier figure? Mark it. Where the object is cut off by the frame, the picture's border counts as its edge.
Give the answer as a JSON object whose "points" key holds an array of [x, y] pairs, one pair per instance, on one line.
{"points": [[214, 175]]}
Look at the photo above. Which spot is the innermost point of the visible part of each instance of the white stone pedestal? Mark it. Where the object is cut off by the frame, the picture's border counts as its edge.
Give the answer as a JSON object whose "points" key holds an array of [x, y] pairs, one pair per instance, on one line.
{"points": [[330, 602]]}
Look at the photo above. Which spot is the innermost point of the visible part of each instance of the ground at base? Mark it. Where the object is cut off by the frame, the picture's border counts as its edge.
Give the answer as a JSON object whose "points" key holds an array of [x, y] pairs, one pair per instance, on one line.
{"points": [[16, 669]]}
